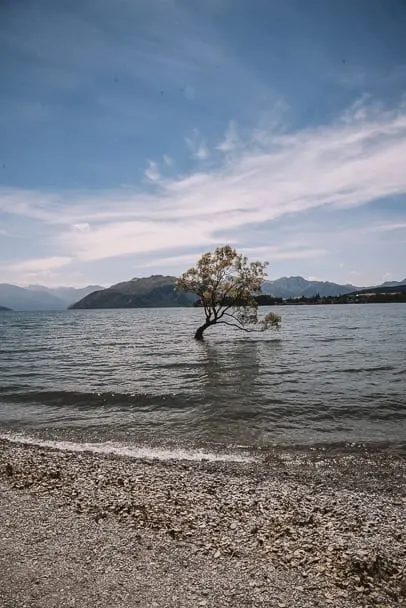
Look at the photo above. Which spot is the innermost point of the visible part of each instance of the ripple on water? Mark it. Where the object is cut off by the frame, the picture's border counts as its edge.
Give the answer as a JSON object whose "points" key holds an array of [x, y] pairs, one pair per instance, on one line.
{"points": [[330, 372]]}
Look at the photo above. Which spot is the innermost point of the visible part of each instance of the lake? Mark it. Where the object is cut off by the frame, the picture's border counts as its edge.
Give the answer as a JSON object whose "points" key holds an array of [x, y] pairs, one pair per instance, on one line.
{"points": [[331, 374]]}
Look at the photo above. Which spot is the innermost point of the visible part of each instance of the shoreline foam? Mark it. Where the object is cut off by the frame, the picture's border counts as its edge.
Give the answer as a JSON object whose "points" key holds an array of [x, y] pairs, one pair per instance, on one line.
{"points": [[117, 449]]}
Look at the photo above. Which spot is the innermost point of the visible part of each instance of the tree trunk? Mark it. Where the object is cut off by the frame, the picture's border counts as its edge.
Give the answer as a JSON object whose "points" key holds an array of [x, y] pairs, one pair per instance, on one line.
{"points": [[202, 328]]}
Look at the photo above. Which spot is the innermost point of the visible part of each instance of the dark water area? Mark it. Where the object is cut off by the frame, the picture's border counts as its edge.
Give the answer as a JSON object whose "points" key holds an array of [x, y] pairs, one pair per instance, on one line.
{"points": [[331, 374]]}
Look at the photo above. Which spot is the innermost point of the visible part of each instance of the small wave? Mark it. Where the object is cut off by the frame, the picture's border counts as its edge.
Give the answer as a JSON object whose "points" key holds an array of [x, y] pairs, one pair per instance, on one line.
{"points": [[354, 370], [95, 399], [335, 339], [138, 453]]}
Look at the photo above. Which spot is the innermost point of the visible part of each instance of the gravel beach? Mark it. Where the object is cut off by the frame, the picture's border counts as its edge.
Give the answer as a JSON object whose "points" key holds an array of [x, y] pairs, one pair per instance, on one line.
{"points": [[291, 528]]}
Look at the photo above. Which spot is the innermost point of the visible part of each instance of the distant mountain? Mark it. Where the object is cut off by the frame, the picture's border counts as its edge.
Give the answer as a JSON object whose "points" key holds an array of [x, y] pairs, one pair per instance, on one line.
{"points": [[388, 287], [158, 291], [19, 298], [296, 287], [68, 295], [4, 309], [392, 283], [37, 297], [151, 292]]}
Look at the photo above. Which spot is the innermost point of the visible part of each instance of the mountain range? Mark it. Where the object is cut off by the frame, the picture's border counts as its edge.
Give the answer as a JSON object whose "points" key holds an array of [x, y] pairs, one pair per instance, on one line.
{"points": [[67, 295], [38, 297], [157, 291], [296, 287]]}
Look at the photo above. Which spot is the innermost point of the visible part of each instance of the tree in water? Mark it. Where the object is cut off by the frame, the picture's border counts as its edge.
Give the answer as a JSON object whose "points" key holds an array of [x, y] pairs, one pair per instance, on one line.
{"points": [[226, 285]]}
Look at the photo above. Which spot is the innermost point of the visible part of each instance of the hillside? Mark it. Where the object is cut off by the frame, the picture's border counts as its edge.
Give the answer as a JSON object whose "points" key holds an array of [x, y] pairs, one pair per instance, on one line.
{"points": [[384, 289], [393, 283], [4, 309], [151, 292]]}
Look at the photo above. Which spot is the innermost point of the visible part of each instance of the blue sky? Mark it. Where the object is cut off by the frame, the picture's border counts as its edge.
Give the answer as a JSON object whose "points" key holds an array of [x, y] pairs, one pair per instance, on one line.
{"points": [[135, 135]]}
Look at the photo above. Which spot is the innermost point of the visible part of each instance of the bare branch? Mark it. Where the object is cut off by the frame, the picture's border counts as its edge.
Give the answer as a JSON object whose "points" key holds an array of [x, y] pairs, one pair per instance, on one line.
{"points": [[246, 329]]}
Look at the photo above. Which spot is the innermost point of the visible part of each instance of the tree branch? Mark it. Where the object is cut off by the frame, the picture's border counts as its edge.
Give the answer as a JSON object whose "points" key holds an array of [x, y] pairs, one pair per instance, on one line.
{"points": [[225, 311], [238, 326]]}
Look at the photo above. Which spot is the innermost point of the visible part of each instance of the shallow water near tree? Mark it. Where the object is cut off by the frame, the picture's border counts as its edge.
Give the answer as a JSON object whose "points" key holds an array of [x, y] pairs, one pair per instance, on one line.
{"points": [[331, 374]]}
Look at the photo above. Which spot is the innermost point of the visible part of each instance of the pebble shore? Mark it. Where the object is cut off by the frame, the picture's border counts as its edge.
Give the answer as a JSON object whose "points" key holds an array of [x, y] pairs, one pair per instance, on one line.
{"points": [[298, 528]]}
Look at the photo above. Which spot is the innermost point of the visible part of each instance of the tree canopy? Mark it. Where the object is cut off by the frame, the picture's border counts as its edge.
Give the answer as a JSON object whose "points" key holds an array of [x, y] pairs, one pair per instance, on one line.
{"points": [[226, 284]]}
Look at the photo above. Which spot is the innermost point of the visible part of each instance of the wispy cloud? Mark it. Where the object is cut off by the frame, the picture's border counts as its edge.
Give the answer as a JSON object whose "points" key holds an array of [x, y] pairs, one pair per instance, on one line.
{"points": [[152, 172], [231, 140], [344, 165], [81, 227], [197, 145], [117, 239], [202, 152], [33, 270], [265, 252], [387, 227], [281, 252], [41, 264]]}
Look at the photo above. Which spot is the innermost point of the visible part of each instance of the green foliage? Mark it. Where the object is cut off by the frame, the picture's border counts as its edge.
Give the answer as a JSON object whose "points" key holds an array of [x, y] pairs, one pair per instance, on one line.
{"points": [[226, 284]]}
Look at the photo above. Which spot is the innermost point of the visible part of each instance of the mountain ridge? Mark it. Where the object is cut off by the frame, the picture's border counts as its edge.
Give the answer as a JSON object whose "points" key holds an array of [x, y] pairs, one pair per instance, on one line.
{"points": [[297, 287], [146, 292], [38, 297], [68, 295], [157, 290]]}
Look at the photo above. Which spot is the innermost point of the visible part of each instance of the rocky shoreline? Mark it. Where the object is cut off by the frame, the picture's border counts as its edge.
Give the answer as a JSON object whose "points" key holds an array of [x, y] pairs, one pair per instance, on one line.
{"points": [[292, 528]]}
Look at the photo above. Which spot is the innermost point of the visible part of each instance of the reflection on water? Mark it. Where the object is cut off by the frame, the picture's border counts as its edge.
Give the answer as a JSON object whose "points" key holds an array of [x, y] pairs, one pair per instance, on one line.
{"points": [[330, 374], [231, 372]]}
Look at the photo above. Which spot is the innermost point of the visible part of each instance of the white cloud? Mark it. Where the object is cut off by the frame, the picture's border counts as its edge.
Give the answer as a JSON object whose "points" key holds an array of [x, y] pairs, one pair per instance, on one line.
{"points": [[197, 145], [167, 160], [41, 264], [33, 270], [264, 253], [187, 260], [339, 166], [82, 227], [389, 226], [231, 139], [152, 172], [124, 238], [284, 252], [202, 152]]}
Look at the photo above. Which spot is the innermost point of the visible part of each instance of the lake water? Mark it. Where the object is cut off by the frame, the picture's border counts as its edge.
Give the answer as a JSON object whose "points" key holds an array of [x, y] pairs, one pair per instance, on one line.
{"points": [[331, 374]]}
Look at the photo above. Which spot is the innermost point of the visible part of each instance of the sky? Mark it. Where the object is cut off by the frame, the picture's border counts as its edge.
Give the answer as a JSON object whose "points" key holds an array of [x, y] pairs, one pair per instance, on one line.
{"points": [[136, 135]]}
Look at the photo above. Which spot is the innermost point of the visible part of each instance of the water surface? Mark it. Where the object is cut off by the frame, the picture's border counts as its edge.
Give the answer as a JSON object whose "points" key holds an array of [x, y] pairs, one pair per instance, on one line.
{"points": [[331, 374]]}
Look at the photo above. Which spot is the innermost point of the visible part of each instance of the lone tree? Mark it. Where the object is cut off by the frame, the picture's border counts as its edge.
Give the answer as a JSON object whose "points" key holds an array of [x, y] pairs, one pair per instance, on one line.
{"points": [[226, 285]]}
